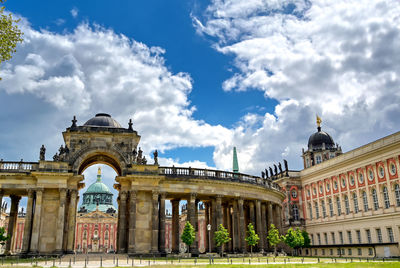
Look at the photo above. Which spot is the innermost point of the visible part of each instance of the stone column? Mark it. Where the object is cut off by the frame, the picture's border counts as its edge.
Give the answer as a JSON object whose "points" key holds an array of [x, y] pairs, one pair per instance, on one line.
{"points": [[36, 221], [191, 207], [242, 227], [259, 226], [28, 223], [213, 223], [154, 225], [162, 224], [229, 226], [196, 226], [73, 201], [252, 215], [175, 225], [270, 217], [132, 221], [219, 210], [122, 223], [12, 221], [60, 221], [207, 219], [279, 218], [263, 238], [235, 226]]}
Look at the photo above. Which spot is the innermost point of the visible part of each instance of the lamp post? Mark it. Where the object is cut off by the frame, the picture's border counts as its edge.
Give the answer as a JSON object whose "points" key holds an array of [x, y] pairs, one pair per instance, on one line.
{"points": [[209, 237]]}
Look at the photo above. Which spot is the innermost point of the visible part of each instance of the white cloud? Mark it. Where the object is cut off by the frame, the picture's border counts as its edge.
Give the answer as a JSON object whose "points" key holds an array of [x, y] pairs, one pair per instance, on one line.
{"points": [[339, 59], [74, 12]]}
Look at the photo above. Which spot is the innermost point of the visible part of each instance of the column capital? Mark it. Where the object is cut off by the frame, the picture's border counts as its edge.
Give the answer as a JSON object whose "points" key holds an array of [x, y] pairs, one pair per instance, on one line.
{"points": [[193, 196], [122, 195], [15, 198], [30, 192], [133, 194], [39, 190], [63, 191], [240, 201], [155, 194], [73, 191], [251, 203], [163, 195]]}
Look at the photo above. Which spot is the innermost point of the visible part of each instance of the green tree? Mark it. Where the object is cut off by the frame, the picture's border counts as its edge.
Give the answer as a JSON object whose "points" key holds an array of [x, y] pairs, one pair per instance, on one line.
{"points": [[188, 234], [3, 237], [10, 34], [251, 238], [221, 237], [273, 237], [293, 238], [307, 240]]}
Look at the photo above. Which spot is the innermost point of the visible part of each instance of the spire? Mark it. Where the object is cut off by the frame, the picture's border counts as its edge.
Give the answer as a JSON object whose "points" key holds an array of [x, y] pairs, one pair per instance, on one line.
{"points": [[319, 121], [235, 168], [99, 175]]}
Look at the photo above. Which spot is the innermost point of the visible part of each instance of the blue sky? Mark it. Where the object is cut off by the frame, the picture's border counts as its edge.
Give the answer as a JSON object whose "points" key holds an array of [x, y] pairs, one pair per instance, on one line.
{"points": [[199, 77]]}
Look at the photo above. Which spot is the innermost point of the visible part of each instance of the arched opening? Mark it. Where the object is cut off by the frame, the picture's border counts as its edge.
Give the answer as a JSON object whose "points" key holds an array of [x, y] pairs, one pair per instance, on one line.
{"points": [[100, 158], [97, 211]]}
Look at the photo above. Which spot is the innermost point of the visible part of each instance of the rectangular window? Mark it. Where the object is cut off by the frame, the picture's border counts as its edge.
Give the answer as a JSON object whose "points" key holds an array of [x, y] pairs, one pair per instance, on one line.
{"points": [[331, 252], [316, 210], [359, 252], [346, 205], [379, 235], [323, 251], [375, 199], [368, 232], [310, 211], [370, 252], [343, 252], [339, 206], [333, 238], [338, 251], [349, 237], [330, 208], [326, 238], [323, 209], [358, 236], [319, 239], [390, 235], [349, 250], [315, 252], [341, 237]]}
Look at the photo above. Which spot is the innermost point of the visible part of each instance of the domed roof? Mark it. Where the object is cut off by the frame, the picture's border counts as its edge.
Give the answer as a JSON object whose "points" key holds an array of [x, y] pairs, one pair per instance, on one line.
{"points": [[98, 188], [102, 120], [320, 137]]}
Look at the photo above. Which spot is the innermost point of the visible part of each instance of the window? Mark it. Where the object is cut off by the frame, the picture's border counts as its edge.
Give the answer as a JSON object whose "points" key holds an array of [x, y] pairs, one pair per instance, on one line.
{"points": [[397, 193], [339, 207], [331, 252], [335, 184], [314, 191], [349, 251], [392, 169], [318, 159], [310, 211], [312, 239], [381, 172], [321, 189], [343, 251], [368, 232], [370, 174], [333, 238], [326, 238], [328, 186], [323, 251], [294, 193], [84, 235], [316, 210], [361, 177], [386, 197], [341, 238], [331, 155], [315, 252], [370, 252], [355, 200], [358, 236], [307, 162], [346, 204], [295, 213], [350, 238], [106, 235], [330, 207], [323, 209], [375, 199], [338, 251], [351, 180], [365, 201], [319, 239], [390, 235], [379, 235], [359, 251], [308, 192], [343, 182]]}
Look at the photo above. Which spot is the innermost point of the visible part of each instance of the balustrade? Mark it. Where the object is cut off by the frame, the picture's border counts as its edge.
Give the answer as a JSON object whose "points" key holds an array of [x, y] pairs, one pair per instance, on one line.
{"points": [[18, 166]]}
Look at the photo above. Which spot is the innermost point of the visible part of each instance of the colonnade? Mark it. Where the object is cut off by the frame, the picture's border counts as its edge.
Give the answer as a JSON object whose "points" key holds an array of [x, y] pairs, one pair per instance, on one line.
{"points": [[66, 220], [234, 213]]}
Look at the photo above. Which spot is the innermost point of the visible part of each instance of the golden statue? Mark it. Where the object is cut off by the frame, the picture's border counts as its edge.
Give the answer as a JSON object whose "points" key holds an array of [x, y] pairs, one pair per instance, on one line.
{"points": [[319, 121]]}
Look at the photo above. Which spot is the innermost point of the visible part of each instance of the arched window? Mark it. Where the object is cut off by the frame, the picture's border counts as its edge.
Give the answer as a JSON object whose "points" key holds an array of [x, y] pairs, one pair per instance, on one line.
{"points": [[397, 193], [295, 211], [318, 159], [310, 211], [84, 234], [330, 207], [365, 201], [339, 206], [346, 204], [386, 197], [375, 199], [316, 210], [106, 235], [355, 200], [323, 209]]}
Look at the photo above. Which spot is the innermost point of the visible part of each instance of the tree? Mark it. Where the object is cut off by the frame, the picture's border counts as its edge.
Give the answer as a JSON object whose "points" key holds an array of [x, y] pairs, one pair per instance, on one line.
{"points": [[188, 234], [273, 237], [251, 238], [3, 238], [293, 238], [10, 35], [221, 237], [307, 240]]}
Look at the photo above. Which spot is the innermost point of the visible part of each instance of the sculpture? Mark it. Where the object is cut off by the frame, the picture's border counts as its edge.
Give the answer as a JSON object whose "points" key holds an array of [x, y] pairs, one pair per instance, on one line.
{"points": [[130, 124], [270, 172], [139, 157], [266, 173], [74, 122], [42, 153], [280, 168], [263, 174], [275, 170], [144, 160], [155, 156], [286, 167], [56, 157]]}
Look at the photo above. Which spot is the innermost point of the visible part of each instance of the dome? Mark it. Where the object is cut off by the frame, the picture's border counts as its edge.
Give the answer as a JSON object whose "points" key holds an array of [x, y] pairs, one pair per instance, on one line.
{"points": [[98, 188], [102, 120], [320, 137]]}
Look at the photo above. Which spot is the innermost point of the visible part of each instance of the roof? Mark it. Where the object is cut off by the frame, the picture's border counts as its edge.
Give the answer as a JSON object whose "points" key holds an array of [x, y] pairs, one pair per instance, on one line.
{"points": [[103, 120], [319, 138]]}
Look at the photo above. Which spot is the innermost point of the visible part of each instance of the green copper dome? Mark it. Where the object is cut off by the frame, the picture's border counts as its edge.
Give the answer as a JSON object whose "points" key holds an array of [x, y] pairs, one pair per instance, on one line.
{"points": [[97, 196]]}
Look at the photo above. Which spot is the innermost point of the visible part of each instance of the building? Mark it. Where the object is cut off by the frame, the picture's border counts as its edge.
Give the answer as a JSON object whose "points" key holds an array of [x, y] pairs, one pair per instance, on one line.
{"points": [[96, 220], [349, 202]]}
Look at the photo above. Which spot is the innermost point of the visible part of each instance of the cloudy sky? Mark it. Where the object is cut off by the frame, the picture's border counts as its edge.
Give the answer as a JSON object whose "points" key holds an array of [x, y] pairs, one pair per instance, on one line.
{"points": [[199, 77]]}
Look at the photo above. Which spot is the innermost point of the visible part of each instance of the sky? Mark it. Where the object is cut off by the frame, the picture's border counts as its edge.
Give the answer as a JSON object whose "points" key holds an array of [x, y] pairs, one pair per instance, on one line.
{"points": [[200, 77]]}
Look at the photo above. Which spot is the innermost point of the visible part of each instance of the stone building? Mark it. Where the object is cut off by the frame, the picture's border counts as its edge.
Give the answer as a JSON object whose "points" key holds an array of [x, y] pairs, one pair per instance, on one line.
{"points": [[349, 202]]}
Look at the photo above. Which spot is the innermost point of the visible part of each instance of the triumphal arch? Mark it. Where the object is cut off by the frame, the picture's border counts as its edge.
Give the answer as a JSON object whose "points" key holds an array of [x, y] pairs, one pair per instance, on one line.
{"points": [[232, 199]]}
